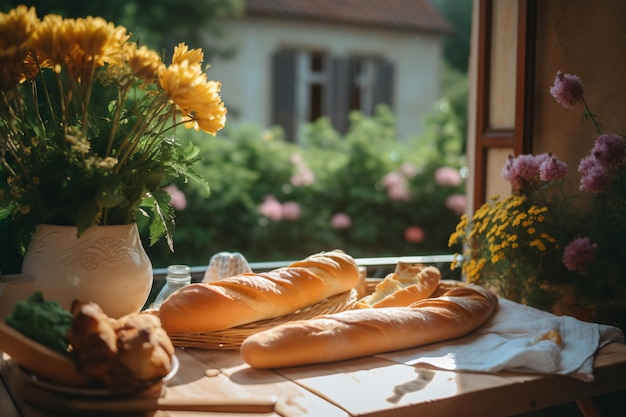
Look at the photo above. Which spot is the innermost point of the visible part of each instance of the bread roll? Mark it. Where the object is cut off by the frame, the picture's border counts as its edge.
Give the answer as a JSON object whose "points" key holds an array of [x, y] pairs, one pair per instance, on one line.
{"points": [[246, 298], [361, 332], [407, 284]]}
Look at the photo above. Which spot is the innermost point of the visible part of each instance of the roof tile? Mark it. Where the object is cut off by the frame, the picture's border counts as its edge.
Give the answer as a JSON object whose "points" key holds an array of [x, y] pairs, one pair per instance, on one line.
{"points": [[418, 15]]}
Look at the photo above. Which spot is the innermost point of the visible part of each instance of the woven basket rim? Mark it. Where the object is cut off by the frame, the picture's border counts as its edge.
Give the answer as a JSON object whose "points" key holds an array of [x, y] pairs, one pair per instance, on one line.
{"points": [[232, 338]]}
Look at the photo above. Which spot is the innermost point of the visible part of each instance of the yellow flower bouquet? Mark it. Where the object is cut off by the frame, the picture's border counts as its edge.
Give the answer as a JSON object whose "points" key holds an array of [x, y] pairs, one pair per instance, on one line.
{"points": [[87, 119]]}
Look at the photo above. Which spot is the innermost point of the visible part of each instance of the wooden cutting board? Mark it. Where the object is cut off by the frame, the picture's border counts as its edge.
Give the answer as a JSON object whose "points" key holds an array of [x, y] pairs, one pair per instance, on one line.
{"points": [[62, 404]]}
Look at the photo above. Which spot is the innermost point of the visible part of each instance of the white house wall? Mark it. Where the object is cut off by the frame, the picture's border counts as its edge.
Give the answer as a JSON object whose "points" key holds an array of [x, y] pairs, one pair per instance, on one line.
{"points": [[246, 79]]}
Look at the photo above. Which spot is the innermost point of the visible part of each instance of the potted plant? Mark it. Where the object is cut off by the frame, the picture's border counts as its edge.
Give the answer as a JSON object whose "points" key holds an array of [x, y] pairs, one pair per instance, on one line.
{"points": [[87, 123]]}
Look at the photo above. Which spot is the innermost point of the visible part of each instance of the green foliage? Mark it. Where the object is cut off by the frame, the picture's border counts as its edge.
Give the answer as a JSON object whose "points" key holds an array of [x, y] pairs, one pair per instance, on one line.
{"points": [[160, 24], [44, 321], [247, 165], [457, 44]]}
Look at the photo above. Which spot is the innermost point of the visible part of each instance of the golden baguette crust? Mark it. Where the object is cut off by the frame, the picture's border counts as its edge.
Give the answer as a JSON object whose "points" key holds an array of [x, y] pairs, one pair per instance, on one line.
{"points": [[249, 297], [355, 333], [407, 284]]}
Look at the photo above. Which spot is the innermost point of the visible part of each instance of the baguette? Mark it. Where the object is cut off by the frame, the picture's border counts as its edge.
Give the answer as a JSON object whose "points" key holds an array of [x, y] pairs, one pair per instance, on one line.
{"points": [[246, 298], [407, 284], [362, 332]]}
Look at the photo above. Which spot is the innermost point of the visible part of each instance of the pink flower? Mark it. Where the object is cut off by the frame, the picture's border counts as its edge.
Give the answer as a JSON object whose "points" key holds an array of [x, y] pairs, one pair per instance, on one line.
{"points": [[448, 177], [397, 186], [567, 89], [579, 254], [399, 192], [551, 169], [456, 203], [408, 170], [341, 221], [271, 208], [291, 210], [392, 179], [177, 197], [609, 150], [414, 234], [595, 176], [303, 177]]}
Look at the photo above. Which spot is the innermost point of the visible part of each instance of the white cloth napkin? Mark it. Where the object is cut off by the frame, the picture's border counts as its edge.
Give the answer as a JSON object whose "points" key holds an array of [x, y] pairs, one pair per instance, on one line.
{"points": [[518, 338]]}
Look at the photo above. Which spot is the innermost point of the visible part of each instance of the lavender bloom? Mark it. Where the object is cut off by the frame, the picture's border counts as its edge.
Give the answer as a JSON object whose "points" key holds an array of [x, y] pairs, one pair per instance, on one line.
{"points": [[552, 169], [579, 254], [567, 89], [609, 150], [595, 175]]}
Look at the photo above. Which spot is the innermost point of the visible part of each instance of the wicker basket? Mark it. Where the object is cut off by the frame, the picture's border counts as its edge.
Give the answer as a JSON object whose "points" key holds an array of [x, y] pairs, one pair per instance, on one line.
{"points": [[232, 338]]}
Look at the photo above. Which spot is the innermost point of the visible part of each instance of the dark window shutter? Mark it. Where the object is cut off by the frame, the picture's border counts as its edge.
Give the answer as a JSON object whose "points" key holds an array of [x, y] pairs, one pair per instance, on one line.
{"points": [[283, 92], [383, 92], [339, 97]]}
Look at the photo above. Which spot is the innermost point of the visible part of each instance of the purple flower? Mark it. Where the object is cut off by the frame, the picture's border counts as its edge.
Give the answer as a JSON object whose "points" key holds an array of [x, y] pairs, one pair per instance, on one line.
{"points": [[595, 176], [523, 169], [579, 254], [567, 89], [552, 169], [609, 150]]}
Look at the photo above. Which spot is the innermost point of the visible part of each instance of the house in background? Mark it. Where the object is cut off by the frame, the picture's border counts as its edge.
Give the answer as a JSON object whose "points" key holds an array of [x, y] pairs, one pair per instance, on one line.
{"points": [[298, 60]]}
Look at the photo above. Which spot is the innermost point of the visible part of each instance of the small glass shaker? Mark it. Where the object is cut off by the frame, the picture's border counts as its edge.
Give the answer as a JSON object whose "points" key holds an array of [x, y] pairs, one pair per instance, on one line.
{"points": [[177, 277]]}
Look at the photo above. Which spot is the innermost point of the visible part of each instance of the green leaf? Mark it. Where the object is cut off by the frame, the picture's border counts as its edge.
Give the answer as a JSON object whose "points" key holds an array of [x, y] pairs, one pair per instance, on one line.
{"points": [[162, 219], [87, 215], [110, 193]]}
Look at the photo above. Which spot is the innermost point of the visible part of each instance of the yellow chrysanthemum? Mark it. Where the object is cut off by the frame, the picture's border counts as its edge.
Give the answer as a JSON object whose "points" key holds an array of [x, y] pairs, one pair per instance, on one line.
{"points": [[144, 62], [197, 98], [179, 82], [53, 41], [209, 113], [15, 31], [193, 56], [98, 42]]}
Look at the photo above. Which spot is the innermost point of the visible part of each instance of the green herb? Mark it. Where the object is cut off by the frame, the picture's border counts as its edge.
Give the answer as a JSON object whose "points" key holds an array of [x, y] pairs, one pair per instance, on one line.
{"points": [[44, 321]]}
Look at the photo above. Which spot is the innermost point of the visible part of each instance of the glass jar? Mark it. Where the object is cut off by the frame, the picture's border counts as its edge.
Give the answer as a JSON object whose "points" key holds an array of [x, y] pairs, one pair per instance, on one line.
{"points": [[177, 277]]}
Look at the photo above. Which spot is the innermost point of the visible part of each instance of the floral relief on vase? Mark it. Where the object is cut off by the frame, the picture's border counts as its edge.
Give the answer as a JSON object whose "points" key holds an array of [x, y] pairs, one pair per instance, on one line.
{"points": [[107, 265]]}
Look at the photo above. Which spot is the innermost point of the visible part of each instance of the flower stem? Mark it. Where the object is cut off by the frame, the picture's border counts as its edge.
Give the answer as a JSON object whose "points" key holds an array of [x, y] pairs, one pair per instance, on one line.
{"points": [[595, 121]]}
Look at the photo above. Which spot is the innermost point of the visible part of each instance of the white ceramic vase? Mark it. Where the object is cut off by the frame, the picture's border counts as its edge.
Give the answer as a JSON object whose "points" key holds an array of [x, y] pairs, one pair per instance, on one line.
{"points": [[107, 265]]}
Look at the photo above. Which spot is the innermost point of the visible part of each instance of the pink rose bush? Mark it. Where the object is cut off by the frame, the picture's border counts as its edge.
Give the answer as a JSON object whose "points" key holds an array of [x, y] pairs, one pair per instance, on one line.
{"points": [[544, 236]]}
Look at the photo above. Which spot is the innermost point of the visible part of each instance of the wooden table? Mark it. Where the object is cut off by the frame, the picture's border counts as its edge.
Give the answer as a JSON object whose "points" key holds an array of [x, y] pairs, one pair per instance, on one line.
{"points": [[369, 386]]}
